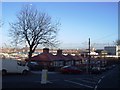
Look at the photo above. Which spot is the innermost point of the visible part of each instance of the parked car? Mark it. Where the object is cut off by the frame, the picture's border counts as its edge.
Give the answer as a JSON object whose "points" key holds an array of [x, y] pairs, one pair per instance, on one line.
{"points": [[110, 67], [103, 68], [70, 70], [33, 66], [96, 70], [113, 66]]}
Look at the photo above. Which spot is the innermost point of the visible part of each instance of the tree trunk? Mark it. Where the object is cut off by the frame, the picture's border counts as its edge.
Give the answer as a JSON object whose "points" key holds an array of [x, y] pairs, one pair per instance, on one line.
{"points": [[30, 54]]}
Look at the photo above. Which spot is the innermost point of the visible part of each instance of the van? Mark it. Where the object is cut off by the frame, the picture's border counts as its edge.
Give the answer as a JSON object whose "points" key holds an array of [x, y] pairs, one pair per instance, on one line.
{"points": [[14, 66]]}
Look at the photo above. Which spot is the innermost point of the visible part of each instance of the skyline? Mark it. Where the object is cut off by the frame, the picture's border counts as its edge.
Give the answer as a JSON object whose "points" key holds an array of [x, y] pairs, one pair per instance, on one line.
{"points": [[79, 21]]}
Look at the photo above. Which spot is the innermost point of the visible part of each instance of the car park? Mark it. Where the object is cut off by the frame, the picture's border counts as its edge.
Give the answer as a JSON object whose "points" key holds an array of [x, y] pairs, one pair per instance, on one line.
{"points": [[70, 70]]}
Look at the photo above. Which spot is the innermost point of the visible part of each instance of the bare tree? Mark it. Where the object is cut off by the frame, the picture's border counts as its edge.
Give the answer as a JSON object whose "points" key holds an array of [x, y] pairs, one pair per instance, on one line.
{"points": [[35, 28]]}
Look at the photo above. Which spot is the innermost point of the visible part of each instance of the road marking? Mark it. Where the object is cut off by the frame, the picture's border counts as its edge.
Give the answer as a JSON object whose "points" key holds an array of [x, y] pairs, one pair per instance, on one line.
{"points": [[96, 77], [55, 80], [95, 87], [102, 77], [93, 80], [47, 81], [87, 81], [79, 84], [99, 81]]}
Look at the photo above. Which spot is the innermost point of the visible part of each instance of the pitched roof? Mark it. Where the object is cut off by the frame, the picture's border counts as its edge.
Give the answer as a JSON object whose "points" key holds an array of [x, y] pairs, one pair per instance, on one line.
{"points": [[61, 57], [77, 57], [46, 56], [69, 57], [43, 57]]}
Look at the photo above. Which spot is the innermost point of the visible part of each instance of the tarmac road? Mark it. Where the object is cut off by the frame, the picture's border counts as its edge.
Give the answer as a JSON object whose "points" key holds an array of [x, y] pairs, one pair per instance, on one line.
{"points": [[108, 79]]}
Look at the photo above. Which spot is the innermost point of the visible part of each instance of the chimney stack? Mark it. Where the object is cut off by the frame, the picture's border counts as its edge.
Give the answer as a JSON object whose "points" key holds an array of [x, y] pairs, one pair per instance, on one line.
{"points": [[59, 52], [45, 50]]}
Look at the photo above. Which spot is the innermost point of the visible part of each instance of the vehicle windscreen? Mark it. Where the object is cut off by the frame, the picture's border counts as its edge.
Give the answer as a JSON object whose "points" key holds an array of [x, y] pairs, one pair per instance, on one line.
{"points": [[21, 63]]}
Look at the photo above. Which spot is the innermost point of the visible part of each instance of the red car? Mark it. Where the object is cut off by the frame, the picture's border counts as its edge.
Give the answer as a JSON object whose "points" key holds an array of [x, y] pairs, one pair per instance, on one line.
{"points": [[70, 70]]}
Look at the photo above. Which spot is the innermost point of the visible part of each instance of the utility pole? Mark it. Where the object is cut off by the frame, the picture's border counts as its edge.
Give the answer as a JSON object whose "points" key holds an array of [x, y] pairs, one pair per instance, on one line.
{"points": [[89, 57], [88, 61]]}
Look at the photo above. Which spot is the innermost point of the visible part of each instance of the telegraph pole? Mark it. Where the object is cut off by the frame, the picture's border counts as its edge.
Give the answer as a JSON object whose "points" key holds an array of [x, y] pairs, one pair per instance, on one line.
{"points": [[89, 57]]}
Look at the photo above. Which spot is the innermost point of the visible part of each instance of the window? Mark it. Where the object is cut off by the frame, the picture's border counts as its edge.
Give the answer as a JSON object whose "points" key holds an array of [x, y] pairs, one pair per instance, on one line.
{"points": [[21, 63]]}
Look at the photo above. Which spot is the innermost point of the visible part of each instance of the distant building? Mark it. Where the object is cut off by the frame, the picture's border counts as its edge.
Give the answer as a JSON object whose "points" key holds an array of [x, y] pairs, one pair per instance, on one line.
{"points": [[113, 50], [99, 51], [118, 50], [85, 53], [47, 59]]}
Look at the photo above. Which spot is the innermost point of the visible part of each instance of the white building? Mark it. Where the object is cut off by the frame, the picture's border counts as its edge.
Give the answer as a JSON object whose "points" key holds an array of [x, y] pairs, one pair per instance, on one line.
{"points": [[118, 50], [113, 50]]}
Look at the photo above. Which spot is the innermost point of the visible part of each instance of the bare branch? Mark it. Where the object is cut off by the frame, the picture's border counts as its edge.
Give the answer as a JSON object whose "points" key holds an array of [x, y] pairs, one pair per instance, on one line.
{"points": [[35, 28]]}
